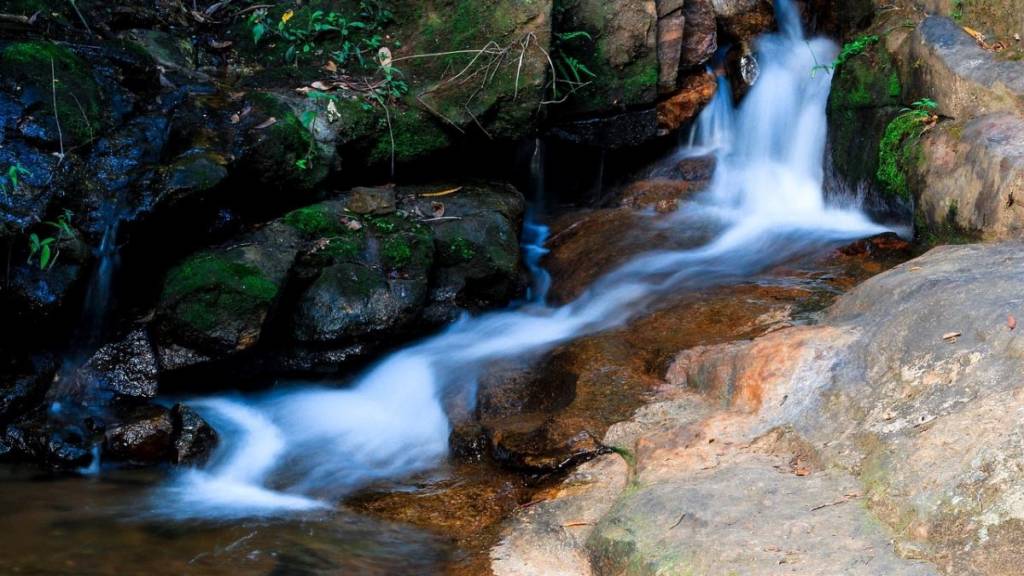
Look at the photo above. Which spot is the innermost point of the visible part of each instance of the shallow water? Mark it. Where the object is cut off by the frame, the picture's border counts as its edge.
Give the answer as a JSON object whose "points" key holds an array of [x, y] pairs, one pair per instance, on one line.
{"points": [[98, 526]]}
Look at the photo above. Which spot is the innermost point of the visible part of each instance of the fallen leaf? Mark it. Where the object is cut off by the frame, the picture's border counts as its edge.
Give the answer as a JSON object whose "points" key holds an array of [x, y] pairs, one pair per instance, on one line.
{"points": [[220, 45], [332, 112], [915, 268], [437, 208], [1011, 322], [235, 118], [331, 67], [951, 336], [321, 86], [384, 57], [351, 223], [441, 193]]}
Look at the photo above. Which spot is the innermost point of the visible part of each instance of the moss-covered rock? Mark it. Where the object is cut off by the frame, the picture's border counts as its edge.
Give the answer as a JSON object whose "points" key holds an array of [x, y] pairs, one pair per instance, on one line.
{"points": [[623, 57], [216, 301], [44, 70], [866, 95], [284, 154]]}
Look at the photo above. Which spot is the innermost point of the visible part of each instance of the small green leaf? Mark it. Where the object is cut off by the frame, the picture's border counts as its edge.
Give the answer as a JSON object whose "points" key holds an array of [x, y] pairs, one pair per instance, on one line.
{"points": [[44, 256], [257, 32], [307, 118]]}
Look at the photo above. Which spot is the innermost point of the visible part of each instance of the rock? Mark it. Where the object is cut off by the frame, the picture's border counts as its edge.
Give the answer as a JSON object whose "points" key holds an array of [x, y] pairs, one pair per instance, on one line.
{"points": [[700, 33], [215, 302], [743, 20], [670, 47], [145, 435], [663, 195], [24, 383], [381, 287], [806, 434], [624, 58], [48, 441], [699, 169], [963, 78], [619, 131], [972, 176], [376, 201], [127, 369], [684, 105], [194, 439], [336, 278], [84, 113]]}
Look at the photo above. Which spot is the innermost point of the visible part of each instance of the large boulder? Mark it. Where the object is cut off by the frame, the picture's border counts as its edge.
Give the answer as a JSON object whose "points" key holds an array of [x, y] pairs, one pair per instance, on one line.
{"points": [[873, 443], [373, 264]]}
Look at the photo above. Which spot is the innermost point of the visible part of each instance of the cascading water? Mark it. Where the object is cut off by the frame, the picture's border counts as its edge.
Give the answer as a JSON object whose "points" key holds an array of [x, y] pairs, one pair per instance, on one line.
{"points": [[299, 449], [535, 234]]}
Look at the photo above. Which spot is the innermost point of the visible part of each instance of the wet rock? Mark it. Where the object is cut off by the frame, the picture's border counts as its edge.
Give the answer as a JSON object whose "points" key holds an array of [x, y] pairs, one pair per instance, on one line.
{"points": [[700, 33], [23, 384], [684, 105], [380, 286], [663, 195], [215, 302], [743, 20], [619, 131], [127, 369], [48, 441], [194, 439], [145, 435], [699, 169], [326, 281]]}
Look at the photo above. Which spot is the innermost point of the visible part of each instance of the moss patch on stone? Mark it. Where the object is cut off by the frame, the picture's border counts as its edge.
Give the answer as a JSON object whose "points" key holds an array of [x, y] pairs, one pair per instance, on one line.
{"points": [[80, 101], [209, 289], [416, 135], [896, 151]]}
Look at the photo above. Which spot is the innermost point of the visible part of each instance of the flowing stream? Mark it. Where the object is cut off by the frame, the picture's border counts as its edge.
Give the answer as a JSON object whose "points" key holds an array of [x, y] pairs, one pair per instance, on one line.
{"points": [[305, 447]]}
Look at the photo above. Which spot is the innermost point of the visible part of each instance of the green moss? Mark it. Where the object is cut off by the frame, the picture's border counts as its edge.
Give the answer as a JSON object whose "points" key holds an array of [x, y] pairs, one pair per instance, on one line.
{"points": [[396, 252], [895, 87], [283, 144], [416, 135], [80, 106], [209, 288], [897, 148], [460, 249], [315, 220], [638, 86]]}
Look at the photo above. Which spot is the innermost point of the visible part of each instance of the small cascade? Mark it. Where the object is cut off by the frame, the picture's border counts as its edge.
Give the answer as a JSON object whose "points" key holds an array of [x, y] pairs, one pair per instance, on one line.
{"points": [[715, 125], [535, 234], [304, 447]]}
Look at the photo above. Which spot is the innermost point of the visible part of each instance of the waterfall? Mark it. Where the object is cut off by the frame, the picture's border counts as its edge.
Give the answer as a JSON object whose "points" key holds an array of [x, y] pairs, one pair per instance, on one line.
{"points": [[535, 234], [304, 447]]}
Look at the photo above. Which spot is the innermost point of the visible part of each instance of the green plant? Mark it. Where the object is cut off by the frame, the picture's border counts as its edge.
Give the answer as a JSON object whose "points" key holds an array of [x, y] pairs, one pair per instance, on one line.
{"points": [[849, 50], [958, 10], [10, 181], [570, 70], [45, 251], [345, 38], [894, 151]]}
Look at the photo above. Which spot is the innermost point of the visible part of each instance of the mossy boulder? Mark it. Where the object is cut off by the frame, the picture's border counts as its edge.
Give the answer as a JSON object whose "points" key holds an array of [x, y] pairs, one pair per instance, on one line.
{"points": [[215, 302], [41, 71], [364, 275], [279, 150], [621, 55]]}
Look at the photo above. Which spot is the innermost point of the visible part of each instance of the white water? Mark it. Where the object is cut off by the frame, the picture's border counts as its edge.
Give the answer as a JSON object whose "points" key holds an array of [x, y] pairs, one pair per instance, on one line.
{"points": [[303, 448]]}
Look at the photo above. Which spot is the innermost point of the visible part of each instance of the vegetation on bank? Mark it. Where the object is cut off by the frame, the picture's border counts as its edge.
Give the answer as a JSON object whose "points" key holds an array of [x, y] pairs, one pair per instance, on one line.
{"points": [[899, 146]]}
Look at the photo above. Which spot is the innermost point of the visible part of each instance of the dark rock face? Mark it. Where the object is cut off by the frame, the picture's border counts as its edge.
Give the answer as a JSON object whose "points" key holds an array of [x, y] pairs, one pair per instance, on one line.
{"points": [[144, 436], [126, 369], [194, 438]]}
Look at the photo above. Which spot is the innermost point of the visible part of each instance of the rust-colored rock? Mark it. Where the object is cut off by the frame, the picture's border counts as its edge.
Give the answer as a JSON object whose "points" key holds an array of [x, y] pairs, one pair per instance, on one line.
{"points": [[696, 91]]}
